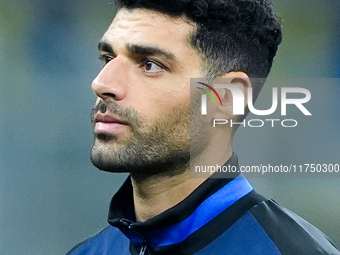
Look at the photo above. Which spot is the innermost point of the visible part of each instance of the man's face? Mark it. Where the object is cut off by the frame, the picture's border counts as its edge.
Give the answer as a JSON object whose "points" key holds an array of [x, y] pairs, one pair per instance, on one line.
{"points": [[141, 118]]}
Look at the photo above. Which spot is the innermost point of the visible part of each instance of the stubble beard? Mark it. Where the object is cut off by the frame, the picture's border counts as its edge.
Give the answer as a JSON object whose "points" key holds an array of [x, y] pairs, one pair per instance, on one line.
{"points": [[158, 149]]}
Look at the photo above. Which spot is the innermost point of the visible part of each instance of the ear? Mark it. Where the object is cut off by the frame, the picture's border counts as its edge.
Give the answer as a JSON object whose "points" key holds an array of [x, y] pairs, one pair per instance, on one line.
{"points": [[239, 79]]}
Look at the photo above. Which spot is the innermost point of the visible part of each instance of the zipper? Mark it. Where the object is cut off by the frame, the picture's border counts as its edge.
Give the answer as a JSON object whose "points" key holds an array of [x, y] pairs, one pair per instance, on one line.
{"points": [[129, 224], [126, 223], [143, 250]]}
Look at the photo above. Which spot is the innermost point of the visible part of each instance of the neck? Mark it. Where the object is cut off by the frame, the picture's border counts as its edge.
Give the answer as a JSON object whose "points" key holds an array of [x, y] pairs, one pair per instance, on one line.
{"points": [[155, 195]]}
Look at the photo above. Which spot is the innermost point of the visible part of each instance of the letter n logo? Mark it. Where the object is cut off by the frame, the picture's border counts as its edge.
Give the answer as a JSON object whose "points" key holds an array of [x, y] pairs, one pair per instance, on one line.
{"points": [[238, 97]]}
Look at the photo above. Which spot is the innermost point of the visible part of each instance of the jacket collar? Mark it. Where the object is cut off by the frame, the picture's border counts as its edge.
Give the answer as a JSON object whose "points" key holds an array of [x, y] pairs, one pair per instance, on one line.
{"points": [[176, 224]]}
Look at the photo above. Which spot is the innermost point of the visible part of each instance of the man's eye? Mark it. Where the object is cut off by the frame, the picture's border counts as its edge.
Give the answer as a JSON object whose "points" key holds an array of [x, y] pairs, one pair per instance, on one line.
{"points": [[105, 58], [151, 67]]}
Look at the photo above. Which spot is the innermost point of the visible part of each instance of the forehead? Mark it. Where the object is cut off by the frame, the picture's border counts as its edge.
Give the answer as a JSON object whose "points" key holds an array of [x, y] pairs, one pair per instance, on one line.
{"points": [[141, 26]]}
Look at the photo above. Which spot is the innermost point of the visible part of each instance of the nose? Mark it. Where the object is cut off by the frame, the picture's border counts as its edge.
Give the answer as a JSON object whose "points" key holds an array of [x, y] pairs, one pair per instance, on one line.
{"points": [[109, 83]]}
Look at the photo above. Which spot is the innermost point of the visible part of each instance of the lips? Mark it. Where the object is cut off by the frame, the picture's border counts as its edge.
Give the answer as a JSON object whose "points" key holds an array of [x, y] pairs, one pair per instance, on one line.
{"points": [[109, 124]]}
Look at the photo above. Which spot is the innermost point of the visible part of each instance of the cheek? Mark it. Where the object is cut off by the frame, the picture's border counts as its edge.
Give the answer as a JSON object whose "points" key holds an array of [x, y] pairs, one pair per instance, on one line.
{"points": [[156, 100], [167, 112], [178, 92], [167, 97]]}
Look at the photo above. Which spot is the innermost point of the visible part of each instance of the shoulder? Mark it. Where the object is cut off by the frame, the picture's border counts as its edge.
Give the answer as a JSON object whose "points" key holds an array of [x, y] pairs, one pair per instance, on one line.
{"points": [[108, 241], [290, 233], [269, 229]]}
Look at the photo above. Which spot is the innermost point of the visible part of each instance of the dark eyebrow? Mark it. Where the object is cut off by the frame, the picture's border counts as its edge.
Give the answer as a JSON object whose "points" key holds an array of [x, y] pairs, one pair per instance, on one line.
{"points": [[134, 49], [103, 46]]}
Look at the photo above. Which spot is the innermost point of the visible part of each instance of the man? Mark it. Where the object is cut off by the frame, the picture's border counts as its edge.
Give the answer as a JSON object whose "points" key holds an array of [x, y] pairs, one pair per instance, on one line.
{"points": [[142, 125]]}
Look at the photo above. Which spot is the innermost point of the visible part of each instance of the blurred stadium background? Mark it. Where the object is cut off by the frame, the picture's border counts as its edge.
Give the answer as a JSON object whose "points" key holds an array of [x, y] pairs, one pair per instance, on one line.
{"points": [[51, 197]]}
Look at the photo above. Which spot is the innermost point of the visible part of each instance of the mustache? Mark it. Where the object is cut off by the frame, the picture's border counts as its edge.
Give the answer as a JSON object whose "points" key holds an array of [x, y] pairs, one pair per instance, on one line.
{"points": [[128, 115]]}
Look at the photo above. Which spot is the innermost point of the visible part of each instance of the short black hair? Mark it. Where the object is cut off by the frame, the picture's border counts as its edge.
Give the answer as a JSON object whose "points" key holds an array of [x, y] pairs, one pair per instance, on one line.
{"points": [[231, 35]]}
